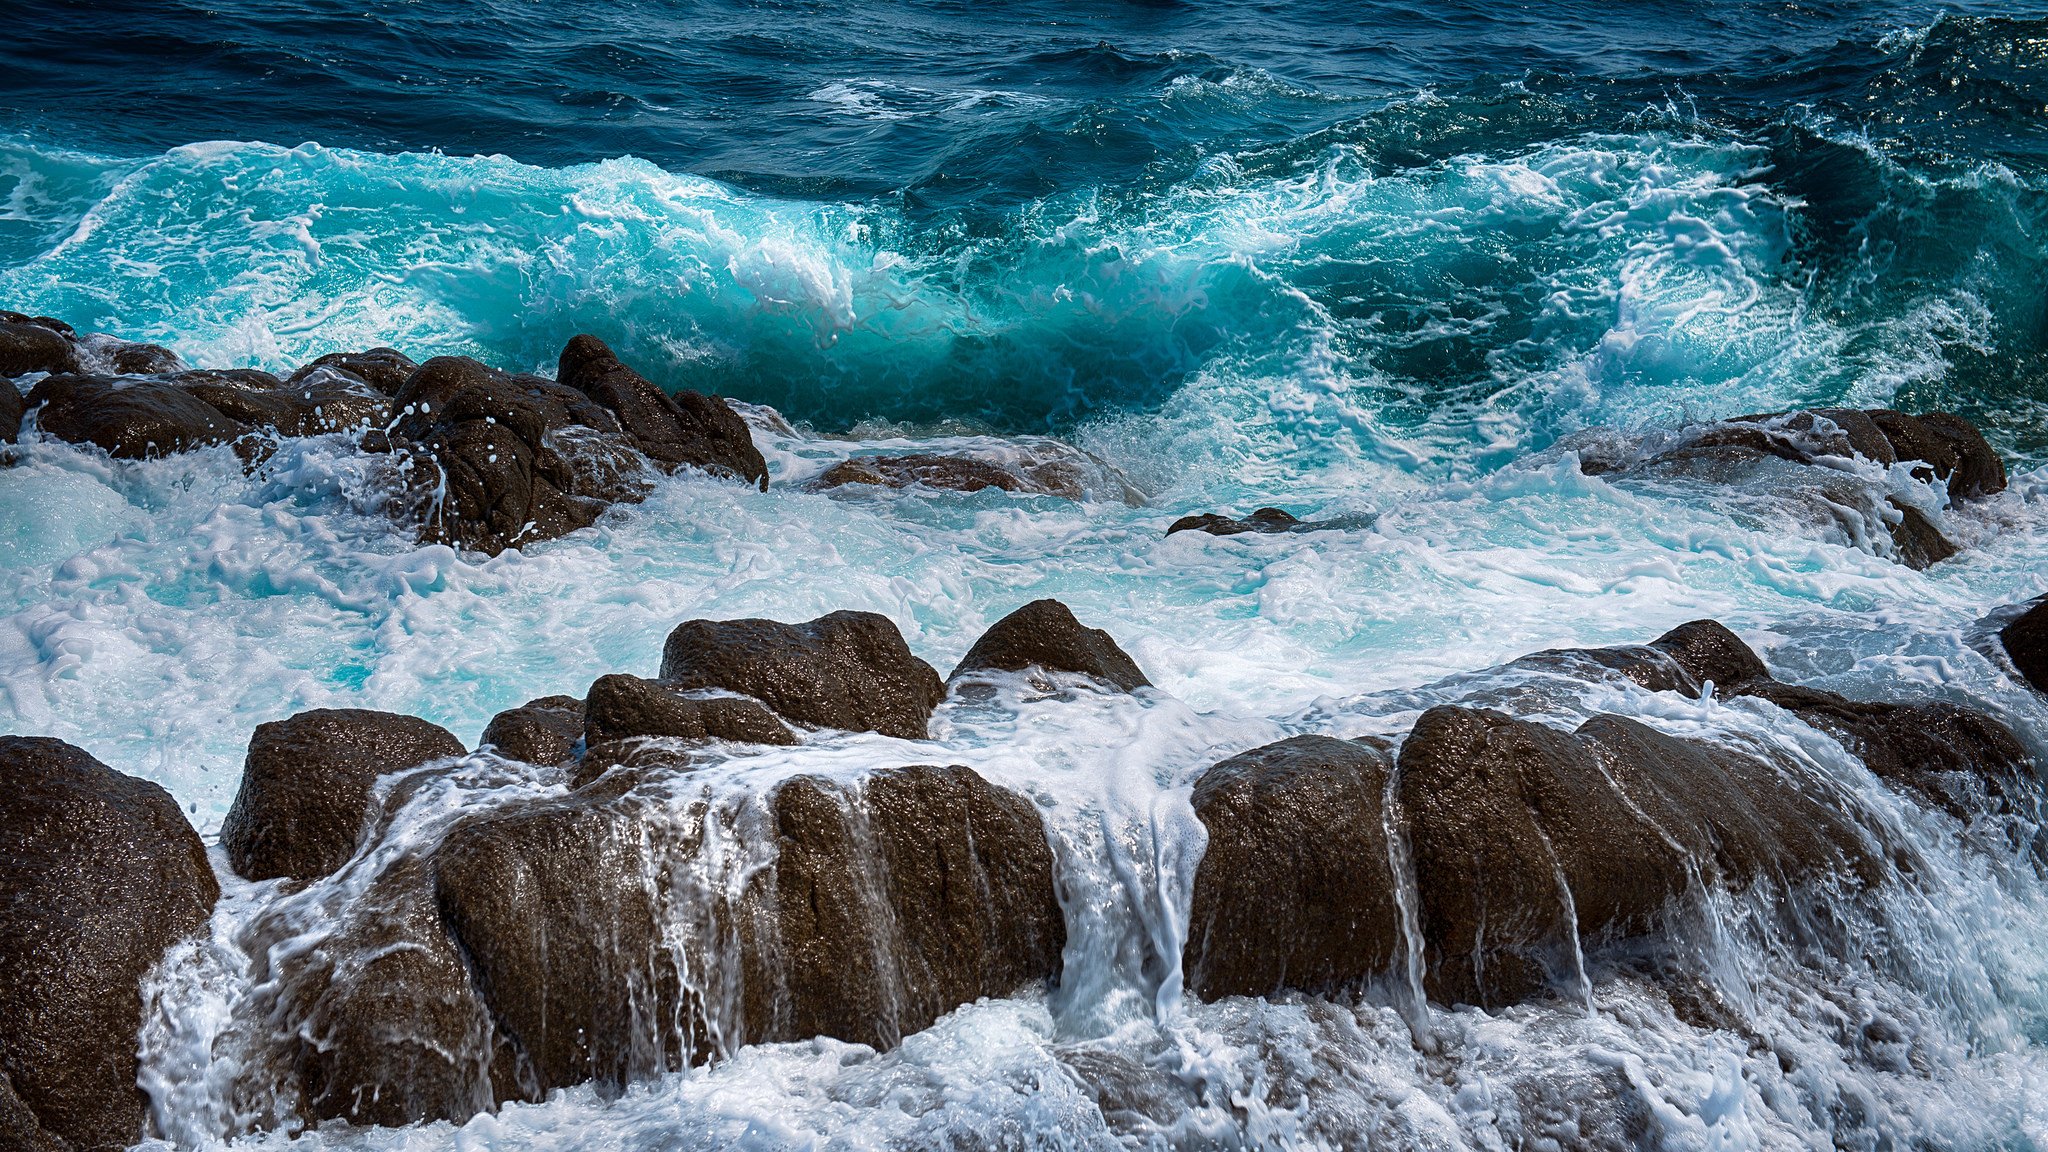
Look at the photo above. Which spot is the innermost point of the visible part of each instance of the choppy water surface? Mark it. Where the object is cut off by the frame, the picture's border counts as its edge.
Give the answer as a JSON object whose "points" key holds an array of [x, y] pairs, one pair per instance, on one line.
{"points": [[1338, 258]]}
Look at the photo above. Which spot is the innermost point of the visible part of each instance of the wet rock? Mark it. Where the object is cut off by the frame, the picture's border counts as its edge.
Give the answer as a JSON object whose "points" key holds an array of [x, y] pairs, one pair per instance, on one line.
{"points": [[1708, 651], [1952, 447], [1645, 665], [492, 483], [12, 405], [544, 731], [848, 670], [324, 402], [1266, 520], [1529, 843], [1045, 634], [1916, 542], [130, 419], [99, 875], [384, 369], [2026, 642], [27, 346], [304, 802], [951, 473], [620, 707], [925, 889], [685, 429], [134, 359], [1296, 889]]}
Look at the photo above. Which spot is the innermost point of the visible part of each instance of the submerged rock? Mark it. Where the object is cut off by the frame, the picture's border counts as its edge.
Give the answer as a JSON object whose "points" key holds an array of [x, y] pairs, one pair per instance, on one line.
{"points": [[544, 731], [1045, 634], [12, 405], [952, 473], [687, 428], [1296, 889], [99, 875], [848, 670], [1269, 520], [130, 419], [304, 803]]}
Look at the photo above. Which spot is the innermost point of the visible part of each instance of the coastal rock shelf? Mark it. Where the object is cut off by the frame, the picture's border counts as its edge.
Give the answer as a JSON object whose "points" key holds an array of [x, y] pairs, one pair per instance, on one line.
{"points": [[607, 889], [488, 461]]}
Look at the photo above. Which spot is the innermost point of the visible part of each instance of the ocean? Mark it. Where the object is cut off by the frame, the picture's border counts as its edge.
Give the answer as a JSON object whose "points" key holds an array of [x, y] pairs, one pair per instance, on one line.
{"points": [[1401, 265]]}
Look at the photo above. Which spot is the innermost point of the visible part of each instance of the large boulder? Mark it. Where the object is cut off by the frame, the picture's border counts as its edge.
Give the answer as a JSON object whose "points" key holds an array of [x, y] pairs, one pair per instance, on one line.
{"points": [[1951, 447], [2026, 643], [99, 875], [847, 670], [544, 731], [1045, 634], [685, 429], [304, 803], [130, 419], [1530, 845], [322, 402], [621, 707], [1296, 888], [1708, 652], [492, 481], [26, 346]]}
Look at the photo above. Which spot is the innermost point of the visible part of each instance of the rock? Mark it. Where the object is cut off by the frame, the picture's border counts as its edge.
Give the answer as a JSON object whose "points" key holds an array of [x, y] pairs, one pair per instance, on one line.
{"points": [[304, 802], [54, 325], [847, 670], [1529, 843], [1296, 889], [12, 405], [686, 429], [99, 875], [1267, 520], [620, 707], [1044, 634], [924, 889], [1953, 449], [1708, 651], [493, 483], [130, 419], [26, 346], [544, 731], [384, 369], [2026, 642], [1916, 542], [951, 473], [323, 402], [133, 359]]}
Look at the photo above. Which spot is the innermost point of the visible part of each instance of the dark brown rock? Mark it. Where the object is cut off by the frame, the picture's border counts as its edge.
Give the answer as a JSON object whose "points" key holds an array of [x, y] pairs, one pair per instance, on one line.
{"points": [[135, 359], [544, 731], [2026, 642], [1268, 520], [1045, 634], [131, 419], [620, 707], [951, 473], [12, 405], [1953, 449], [1916, 542], [1296, 889], [384, 369], [304, 802], [847, 670], [685, 429], [99, 875], [925, 889], [1707, 650], [27, 347], [324, 402]]}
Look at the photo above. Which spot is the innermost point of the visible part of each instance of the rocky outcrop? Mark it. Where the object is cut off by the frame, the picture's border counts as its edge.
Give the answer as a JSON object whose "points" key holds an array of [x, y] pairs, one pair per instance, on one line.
{"points": [[2025, 640], [99, 875], [687, 428], [384, 369], [130, 419], [1044, 634], [304, 803], [321, 403], [544, 731], [848, 670], [1529, 843], [1296, 888], [31, 345], [12, 405], [1268, 520]]}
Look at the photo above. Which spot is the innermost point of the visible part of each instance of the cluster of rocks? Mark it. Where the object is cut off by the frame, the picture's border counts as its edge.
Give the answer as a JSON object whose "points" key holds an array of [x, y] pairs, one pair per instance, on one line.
{"points": [[527, 946]]}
